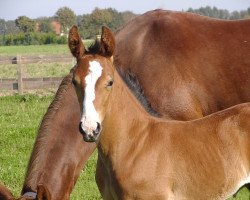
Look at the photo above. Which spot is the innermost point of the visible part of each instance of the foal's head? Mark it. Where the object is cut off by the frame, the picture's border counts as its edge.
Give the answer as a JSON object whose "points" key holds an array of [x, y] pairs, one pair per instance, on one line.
{"points": [[93, 79]]}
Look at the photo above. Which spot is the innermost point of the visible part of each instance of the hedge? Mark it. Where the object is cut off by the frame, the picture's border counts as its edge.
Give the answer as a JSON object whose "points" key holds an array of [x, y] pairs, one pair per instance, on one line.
{"points": [[34, 38]]}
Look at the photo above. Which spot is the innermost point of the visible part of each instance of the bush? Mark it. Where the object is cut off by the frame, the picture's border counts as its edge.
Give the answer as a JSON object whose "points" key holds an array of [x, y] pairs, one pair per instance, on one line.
{"points": [[33, 38]]}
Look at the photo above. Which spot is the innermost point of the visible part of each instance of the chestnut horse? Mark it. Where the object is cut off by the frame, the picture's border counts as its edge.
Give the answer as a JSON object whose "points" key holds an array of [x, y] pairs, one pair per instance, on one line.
{"points": [[187, 65], [145, 157]]}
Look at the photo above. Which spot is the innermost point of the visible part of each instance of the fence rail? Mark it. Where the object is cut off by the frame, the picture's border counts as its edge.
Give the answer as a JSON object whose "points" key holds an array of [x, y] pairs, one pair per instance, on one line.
{"points": [[20, 83]]}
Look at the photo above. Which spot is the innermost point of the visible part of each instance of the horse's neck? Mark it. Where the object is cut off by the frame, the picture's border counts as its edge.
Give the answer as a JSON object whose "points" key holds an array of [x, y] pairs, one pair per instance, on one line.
{"points": [[64, 104], [124, 113]]}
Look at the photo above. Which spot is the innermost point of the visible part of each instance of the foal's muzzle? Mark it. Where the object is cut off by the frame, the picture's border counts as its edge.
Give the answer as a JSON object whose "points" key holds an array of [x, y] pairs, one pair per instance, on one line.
{"points": [[90, 135]]}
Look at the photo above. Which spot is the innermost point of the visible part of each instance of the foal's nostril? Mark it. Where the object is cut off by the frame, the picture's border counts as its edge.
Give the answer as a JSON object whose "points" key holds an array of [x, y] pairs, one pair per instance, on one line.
{"points": [[98, 126], [98, 129], [80, 128]]}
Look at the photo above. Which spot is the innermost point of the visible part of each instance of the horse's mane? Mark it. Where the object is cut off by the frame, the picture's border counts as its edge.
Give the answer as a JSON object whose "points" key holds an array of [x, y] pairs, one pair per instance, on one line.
{"points": [[133, 84], [42, 139]]}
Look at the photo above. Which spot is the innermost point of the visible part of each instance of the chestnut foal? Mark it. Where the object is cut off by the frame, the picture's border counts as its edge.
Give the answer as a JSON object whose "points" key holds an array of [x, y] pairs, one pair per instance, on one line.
{"points": [[145, 157]]}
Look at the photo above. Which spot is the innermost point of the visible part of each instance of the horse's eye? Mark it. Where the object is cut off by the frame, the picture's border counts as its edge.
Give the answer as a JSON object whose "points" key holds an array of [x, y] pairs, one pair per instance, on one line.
{"points": [[110, 83], [74, 82]]}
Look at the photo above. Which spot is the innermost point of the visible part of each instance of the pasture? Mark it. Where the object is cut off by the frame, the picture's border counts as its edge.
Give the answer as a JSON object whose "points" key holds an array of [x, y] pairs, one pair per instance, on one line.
{"points": [[37, 69], [37, 49], [19, 121]]}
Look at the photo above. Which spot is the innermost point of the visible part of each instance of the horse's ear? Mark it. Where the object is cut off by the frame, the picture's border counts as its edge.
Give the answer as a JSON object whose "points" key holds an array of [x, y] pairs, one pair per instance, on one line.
{"points": [[107, 42], [5, 193], [43, 193], [75, 43]]}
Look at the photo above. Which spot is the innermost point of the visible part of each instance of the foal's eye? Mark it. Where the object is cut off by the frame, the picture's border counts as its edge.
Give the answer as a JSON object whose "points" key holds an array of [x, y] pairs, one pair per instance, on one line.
{"points": [[110, 83]]}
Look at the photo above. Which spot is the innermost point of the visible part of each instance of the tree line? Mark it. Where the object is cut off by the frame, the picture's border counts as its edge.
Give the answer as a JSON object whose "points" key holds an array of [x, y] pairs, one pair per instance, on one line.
{"points": [[26, 31], [221, 13]]}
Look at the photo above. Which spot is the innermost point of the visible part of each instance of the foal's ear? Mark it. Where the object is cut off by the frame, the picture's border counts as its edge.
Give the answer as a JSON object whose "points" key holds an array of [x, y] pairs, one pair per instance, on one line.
{"points": [[75, 43], [43, 193], [107, 42]]}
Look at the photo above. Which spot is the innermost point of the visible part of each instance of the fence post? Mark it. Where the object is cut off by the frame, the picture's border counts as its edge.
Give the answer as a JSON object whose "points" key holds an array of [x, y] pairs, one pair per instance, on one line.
{"points": [[19, 74]]}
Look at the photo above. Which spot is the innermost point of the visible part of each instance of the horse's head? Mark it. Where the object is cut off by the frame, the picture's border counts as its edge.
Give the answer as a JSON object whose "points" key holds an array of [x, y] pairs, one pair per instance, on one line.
{"points": [[59, 152], [93, 79]]}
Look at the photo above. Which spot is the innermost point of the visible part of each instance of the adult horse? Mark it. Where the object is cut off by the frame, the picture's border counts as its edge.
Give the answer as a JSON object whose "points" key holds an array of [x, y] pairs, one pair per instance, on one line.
{"points": [[145, 157], [170, 53]]}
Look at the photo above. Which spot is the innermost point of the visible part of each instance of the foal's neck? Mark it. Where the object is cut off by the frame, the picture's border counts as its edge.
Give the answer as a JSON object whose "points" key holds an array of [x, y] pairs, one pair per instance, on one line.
{"points": [[124, 114], [123, 97]]}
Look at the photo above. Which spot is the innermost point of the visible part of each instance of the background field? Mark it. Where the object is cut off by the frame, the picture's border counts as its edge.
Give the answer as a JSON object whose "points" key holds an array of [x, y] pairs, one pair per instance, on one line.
{"points": [[37, 69], [37, 49], [19, 120]]}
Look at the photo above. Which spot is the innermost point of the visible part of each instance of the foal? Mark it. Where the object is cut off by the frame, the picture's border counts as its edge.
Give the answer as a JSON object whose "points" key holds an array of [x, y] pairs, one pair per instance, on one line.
{"points": [[145, 157]]}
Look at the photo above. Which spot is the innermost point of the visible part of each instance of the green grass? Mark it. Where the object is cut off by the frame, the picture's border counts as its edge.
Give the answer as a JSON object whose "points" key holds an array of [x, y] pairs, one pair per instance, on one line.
{"points": [[37, 70], [19, 120], [37, 49], [33, 49]]}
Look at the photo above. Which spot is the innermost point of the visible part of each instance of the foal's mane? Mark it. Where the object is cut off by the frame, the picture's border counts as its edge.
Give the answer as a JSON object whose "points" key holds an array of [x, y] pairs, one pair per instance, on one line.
{"points": [[94, 48]]}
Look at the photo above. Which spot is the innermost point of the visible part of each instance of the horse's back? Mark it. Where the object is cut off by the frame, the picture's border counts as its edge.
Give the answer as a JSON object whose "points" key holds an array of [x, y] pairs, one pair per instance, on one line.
{"points": [[188, 65]]}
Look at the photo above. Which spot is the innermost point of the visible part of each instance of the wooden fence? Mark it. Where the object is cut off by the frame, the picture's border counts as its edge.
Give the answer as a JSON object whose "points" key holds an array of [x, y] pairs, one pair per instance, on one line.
{"points": [[20, 83]]}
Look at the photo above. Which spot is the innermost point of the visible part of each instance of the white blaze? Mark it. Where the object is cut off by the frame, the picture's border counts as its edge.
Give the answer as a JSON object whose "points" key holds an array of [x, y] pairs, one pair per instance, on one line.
{"points": [[90, 115]]}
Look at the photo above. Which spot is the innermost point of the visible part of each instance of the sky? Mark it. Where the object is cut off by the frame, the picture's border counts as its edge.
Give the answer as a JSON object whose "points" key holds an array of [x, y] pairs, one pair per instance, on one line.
{"points": [[12, 9]]}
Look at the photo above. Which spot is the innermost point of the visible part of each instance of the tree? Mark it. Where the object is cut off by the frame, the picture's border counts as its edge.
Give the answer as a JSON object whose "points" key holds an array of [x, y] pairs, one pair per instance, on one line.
{"points": [[66, 17], [87, 28], [25, 24], [11, 27], [235, 15], [2, 26], [220, 13], [127, 16], [90, 25], [45, 25]]}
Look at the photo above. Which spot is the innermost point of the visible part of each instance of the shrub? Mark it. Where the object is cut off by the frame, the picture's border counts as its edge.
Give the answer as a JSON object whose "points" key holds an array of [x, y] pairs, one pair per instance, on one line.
{"points": [[33, 38]]}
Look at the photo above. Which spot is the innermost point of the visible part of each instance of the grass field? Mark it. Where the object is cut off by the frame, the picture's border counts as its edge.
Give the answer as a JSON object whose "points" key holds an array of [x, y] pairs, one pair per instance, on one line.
{"points": [[37, 49], [33, 49], [19, 121], [37, 70]]}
